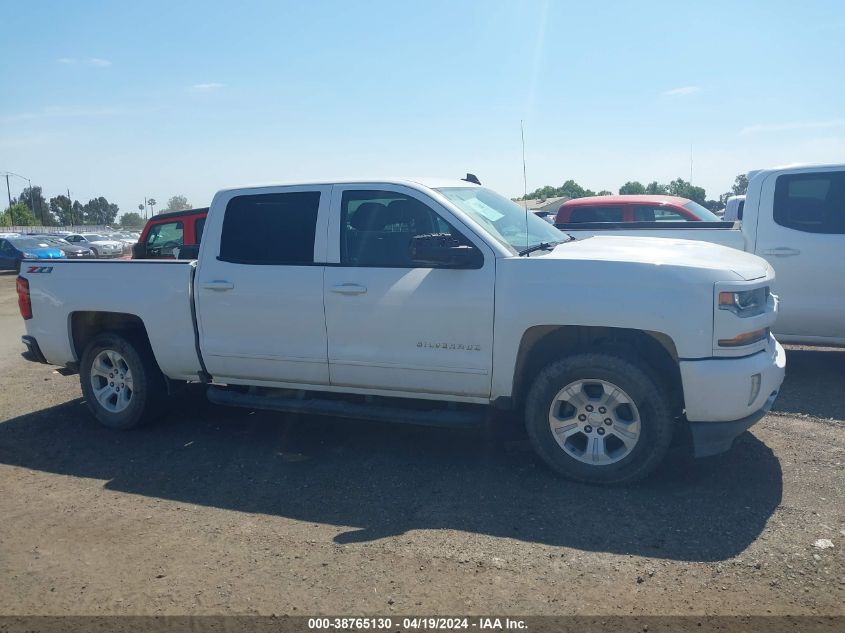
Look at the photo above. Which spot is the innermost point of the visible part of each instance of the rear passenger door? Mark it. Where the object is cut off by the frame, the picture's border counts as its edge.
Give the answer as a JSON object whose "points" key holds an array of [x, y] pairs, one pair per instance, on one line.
{"points": [[396, 327], [801, 232], [259, 287]]}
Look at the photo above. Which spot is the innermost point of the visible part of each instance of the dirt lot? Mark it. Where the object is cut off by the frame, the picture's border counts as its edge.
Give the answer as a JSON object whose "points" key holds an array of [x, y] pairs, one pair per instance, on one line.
{"points": [[230, 511]]}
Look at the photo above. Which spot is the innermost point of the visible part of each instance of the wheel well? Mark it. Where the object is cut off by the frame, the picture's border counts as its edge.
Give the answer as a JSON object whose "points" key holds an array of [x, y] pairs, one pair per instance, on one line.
{"points": [[544, 344], [84, 326]]}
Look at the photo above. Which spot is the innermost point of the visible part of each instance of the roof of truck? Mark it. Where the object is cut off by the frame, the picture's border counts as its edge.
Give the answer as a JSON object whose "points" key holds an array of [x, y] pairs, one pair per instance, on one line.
{"points": [[430, 183]]}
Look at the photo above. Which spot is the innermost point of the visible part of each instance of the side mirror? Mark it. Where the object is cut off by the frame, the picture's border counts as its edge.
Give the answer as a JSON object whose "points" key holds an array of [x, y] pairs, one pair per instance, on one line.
{"points": [[139, 250], [441, 250]]}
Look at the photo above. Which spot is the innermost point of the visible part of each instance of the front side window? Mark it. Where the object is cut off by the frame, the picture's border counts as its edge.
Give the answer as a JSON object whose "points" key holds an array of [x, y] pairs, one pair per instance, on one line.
{"points": [[164, 237], [657, 213], [377, 228], [270, 228], [813, 203]]}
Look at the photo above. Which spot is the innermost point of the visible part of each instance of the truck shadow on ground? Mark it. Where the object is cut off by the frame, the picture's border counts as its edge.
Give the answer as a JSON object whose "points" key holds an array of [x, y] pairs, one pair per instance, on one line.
{"points": [[387, 479], [813, 385]]}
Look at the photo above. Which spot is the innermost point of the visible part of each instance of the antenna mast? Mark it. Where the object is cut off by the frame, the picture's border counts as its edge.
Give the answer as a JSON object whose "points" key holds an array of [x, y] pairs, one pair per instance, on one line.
{"points": [[524, 173]]}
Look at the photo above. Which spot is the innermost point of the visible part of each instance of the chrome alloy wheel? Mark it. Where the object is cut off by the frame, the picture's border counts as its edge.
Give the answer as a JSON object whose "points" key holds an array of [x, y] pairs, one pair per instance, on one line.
{"points": [[111, 381], [595, 422]]}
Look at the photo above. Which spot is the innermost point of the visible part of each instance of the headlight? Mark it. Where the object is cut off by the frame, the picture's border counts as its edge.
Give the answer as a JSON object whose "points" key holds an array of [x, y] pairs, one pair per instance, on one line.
{"points": [[30, 256], [745, 303]]}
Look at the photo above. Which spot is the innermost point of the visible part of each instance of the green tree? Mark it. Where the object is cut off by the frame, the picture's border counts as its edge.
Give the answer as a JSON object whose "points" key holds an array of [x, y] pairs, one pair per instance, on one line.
{"points": [[570, 189], [77, 213], [177, 203], [682, 188], [632, 188], [655, 188], [34, 201], [100, 211], [740, 186], [19, 215], [61, 208], [604, 192], [130, 219]]}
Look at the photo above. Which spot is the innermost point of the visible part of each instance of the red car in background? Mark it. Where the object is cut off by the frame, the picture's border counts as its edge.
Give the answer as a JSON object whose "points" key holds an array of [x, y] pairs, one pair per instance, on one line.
{"points": [[166, 232], [632, 208]]}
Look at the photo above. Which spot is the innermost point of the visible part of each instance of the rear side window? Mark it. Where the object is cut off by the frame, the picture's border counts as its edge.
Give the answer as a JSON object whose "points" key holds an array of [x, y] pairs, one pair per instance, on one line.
{"points": [[270, 228], [597, 214], [813, 203], [198, 229]]}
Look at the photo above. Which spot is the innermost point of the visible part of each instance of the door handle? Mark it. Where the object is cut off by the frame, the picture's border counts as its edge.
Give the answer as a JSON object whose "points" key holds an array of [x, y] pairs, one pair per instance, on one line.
{"points": [[217, 284], [782, 251], [349, 289]]}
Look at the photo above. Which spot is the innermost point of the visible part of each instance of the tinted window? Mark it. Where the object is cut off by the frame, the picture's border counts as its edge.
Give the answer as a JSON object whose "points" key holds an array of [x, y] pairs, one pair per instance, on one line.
{"points": [[814, 203], [597, 214], [740, 209], [657, 213], [198, 229], [164, 237], [270, 228], [377, 227]]}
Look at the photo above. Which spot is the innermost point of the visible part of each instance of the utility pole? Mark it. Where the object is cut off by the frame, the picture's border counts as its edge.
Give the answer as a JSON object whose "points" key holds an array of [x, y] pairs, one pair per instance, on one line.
{"points": [[8, 191]]}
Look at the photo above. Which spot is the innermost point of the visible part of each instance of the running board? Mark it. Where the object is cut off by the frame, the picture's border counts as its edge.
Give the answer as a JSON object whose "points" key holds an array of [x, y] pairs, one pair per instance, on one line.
{"points": [[345, 409]]}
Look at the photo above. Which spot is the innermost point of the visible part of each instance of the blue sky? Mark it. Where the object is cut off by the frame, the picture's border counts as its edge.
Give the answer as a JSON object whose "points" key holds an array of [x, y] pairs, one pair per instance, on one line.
{"points": [[160, 98]]}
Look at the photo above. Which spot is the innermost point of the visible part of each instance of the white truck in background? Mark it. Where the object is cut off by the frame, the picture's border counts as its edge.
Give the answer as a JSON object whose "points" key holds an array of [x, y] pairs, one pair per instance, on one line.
{"points": [[427, 302], [794, 217]]}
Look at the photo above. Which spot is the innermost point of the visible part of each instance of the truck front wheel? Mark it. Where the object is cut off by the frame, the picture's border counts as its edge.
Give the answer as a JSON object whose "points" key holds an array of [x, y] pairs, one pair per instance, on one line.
{"points": [[121, 382], [599, 418]]}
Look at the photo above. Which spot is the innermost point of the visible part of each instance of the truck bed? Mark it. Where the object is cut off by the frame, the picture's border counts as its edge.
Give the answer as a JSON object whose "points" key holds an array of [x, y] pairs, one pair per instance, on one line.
{"points": [[724, 233], [159, 292]]}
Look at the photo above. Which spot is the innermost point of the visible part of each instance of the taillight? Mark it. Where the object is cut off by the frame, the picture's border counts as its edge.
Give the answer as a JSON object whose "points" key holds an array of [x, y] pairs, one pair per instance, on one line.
{"points": [[24, 302]]}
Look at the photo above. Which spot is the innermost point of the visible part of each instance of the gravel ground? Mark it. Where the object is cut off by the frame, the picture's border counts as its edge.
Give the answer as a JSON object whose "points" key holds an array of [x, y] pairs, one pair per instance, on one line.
{"points": [[216, 511]]}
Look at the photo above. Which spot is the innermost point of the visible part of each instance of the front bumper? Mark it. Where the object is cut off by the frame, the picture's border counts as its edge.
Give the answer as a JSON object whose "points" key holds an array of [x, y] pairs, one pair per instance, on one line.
{"points": [[712, 438], [721, 399]]}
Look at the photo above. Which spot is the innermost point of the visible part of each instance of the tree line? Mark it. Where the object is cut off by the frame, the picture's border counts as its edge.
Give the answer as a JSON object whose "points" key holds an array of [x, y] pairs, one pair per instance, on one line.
{"points": [[32, 208], [678, 187]]}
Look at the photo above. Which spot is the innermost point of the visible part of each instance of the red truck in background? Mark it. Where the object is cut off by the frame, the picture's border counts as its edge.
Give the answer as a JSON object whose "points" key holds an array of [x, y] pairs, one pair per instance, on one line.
{"points": [[632, 208], [179, 231]]}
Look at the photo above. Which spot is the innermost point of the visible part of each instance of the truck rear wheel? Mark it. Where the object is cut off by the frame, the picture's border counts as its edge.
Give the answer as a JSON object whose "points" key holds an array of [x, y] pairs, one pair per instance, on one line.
{"points": [[599, 418], [121, 382]]}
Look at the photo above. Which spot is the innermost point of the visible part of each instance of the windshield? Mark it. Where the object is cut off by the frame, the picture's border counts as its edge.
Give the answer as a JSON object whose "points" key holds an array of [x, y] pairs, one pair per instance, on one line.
{"points": [[22, 243], [503, 219], [702, 213], [93, 237]]}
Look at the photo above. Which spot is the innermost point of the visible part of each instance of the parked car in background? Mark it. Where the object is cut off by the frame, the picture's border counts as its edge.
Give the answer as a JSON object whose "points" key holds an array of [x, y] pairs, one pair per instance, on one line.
{"points": [[734, 208], [794, 217], [168, 234], [632, 208], [15, 249], [99, 244], [71, 251]]}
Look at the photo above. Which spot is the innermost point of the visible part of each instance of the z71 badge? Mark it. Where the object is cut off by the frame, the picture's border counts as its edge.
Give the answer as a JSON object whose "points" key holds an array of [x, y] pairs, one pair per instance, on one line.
{"points": [[39, 269]]}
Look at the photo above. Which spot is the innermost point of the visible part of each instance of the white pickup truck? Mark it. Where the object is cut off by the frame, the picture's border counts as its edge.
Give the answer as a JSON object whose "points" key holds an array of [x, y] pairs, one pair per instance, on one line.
{"points": [[425, 302], [794, 217]]}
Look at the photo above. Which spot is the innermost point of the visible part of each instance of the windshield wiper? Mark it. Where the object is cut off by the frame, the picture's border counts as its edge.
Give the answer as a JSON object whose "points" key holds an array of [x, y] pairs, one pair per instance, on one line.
{"points": [[542, 246]]}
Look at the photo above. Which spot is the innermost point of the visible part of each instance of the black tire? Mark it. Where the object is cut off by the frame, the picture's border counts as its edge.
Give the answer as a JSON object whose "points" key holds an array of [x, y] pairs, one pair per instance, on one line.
{"points": [[18, 266], [650, 396], [149, 392], [96, 252]]}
